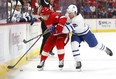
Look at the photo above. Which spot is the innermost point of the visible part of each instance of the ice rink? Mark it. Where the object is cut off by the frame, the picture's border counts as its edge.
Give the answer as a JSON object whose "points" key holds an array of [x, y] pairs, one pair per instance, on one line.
{"points": [[96, 64]]}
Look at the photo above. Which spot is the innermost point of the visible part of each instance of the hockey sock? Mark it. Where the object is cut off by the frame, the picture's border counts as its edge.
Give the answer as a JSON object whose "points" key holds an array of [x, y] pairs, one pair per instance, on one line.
{"points": [[101, 47], [44, 56], [76, 55], [61, 56]]}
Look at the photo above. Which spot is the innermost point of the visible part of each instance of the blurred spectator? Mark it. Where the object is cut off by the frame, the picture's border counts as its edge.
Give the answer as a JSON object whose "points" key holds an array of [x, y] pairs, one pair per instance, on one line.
{"points": [[27, 6], [114, 13], [3, 12], [110, 6], [114, 4], [103, 13], [99, 13], [37, 7], [16, 12], [93, 10], [9, 10], [86, 10], [18, 16], [109, 13]]}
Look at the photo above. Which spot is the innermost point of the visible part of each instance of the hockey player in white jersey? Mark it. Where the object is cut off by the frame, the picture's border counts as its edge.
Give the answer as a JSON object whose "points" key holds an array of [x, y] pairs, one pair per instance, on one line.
{"points": [[81, 32]]}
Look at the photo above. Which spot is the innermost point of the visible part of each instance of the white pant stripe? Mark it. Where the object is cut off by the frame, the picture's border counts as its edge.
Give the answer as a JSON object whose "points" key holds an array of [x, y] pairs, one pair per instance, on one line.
{"points": [[45, 53], [61, 51]]}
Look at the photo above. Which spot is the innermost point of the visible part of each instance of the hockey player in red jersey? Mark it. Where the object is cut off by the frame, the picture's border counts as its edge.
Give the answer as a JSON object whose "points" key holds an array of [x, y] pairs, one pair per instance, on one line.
{"points": [[56, 38]]}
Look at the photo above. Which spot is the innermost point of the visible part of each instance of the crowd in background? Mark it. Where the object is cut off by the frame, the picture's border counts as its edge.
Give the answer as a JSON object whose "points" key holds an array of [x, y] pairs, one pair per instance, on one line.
{"points": [[92, 8], [99, 8], [88, 8]]}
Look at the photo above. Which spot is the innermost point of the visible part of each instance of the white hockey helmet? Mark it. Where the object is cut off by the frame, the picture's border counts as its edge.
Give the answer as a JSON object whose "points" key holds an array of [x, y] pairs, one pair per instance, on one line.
{"points": [[72, 8]]}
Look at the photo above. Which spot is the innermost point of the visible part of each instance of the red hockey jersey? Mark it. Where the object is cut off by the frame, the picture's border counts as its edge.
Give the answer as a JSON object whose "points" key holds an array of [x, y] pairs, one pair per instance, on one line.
{"points": [[56, 20]]}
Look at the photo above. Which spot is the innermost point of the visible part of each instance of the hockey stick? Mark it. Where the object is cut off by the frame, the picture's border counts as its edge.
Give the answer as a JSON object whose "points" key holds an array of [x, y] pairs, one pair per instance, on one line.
{"points": [[10, 67], [26, 41]]}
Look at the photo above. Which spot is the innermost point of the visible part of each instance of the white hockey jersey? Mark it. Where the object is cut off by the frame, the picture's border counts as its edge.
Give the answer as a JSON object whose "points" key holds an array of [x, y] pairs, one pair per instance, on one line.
{"points": [[16, 16], [76, 25]]}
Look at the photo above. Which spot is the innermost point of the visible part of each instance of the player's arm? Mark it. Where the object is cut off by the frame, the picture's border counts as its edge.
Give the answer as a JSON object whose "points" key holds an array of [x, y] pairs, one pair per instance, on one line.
{"points": [[69, 27], [60, 25]]}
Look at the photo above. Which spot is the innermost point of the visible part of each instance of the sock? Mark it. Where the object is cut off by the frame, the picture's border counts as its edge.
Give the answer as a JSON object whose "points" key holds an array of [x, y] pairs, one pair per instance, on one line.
{"points": [[61, 57], [44, 55]]}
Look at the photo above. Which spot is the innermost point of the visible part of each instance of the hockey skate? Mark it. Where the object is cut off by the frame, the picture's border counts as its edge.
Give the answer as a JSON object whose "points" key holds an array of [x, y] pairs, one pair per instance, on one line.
{"points": [[108, 51], [78, 66], [61, 64], [41, 65]]}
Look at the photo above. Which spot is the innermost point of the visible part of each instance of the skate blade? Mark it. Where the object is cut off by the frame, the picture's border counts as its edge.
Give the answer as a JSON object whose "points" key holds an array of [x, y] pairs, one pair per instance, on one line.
{"points": [[78, 70], [40, 69], [60, 69]]}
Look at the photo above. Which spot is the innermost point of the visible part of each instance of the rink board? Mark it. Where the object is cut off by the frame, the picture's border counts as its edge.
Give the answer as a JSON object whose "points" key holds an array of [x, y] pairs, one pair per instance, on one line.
{"points": [[12, 36]]}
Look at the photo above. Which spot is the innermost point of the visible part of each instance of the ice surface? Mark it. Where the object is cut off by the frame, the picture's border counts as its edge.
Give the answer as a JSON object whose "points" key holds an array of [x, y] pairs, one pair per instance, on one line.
{"points": [[96, 64]]}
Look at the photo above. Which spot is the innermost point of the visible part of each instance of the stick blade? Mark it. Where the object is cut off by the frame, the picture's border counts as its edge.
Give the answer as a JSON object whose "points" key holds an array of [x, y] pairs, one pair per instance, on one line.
{"points": [[24, 41], [10, 67]]}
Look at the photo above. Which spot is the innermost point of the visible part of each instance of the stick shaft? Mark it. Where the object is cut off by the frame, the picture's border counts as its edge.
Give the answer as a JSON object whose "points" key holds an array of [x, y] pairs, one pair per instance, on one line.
{"points": [[47, 31], [27, 51]]}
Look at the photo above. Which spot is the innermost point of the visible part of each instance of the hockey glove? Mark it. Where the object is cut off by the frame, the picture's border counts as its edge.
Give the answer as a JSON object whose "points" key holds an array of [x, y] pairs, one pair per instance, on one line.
{"points": [[32, 21], [22, 19], [52, 29]]}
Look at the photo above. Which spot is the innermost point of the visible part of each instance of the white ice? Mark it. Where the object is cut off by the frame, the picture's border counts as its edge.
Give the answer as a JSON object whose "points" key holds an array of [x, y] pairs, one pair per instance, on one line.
{"points": [[96, 64]]}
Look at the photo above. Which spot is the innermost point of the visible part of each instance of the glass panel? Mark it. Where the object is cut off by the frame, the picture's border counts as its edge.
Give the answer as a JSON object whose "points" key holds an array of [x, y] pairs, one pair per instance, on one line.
{"points": [[3, 11]]}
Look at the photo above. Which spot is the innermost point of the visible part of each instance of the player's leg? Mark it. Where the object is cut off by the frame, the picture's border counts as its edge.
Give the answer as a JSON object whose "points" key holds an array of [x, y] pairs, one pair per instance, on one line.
{"points": [[45, 37], [60, 43], [92, 42], [75, 42], [45, 53]]}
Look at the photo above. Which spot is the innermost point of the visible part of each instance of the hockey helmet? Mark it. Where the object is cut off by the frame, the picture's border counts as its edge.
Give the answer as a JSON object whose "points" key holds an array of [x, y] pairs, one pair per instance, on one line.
{"points": [[45, 11], [72, 8]]}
